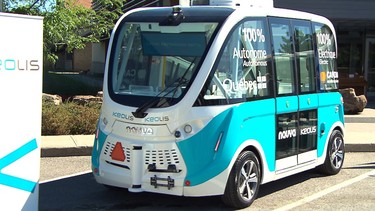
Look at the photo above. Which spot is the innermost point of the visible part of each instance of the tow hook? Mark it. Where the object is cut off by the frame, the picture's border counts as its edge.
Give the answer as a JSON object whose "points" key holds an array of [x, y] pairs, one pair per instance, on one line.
{"points": [[168, 182]]}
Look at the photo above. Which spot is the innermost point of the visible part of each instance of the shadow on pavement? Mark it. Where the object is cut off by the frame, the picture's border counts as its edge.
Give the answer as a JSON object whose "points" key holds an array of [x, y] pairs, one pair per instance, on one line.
{"points": [[83, 193], [370, 165], [286, 182]]}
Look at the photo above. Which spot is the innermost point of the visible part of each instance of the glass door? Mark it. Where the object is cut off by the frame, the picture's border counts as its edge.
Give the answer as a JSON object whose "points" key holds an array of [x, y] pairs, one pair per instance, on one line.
{"points": [[287, 99], [370, 64]]}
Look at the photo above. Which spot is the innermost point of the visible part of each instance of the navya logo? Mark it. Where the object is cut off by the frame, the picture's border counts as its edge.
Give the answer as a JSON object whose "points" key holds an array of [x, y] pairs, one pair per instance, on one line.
{"points": [[139, 130], [287, 134], [19, 65]]}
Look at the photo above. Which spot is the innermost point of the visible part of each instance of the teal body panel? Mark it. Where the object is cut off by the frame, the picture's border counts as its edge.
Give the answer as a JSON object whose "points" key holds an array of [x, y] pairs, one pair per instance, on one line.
{"points": [[330, 111], [97, 148], [247, 121], [254, 120], [286, 104], [308, 102]]}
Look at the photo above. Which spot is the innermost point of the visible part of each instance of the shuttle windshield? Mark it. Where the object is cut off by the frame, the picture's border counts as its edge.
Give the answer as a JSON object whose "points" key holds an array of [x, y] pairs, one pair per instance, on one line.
{"points": [[153, 60]]}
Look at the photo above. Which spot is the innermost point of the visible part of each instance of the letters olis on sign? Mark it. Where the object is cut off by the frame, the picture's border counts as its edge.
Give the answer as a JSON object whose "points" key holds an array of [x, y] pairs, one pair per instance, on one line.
{"points": [[19, 64]]}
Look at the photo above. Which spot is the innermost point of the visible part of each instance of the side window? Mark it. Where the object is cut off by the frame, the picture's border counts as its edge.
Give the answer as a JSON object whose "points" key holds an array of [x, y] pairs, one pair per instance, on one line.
{"points": [[283, 56], [326, 44], [243, 69], [287, 127], [308, 122], [303, 40]]}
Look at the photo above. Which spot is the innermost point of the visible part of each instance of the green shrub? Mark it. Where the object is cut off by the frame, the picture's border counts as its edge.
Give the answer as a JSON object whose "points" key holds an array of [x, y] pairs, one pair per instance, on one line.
{"points": [[69, 118]]}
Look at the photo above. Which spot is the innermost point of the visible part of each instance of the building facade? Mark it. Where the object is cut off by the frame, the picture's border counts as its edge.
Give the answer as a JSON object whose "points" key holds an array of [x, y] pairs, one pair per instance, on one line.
{"points": [[80, 60], [354, 22]]}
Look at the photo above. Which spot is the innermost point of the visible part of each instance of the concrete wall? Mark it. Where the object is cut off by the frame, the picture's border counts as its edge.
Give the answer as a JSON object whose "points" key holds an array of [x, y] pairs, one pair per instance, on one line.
{"points": [[82, 58], [333, 9], [98, 58]]}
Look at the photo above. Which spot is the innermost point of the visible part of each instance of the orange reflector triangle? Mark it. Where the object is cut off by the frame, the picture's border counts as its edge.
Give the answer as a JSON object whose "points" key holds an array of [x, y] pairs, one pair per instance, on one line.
{"points": [[118, 152]]}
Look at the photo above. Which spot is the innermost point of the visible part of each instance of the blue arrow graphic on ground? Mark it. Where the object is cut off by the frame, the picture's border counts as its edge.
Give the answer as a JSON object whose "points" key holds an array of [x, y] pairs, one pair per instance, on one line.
{"points": [[13, 181]]}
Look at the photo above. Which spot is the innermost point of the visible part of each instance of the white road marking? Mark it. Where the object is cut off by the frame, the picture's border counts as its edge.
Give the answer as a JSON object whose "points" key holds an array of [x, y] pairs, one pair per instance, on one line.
{"points": [[325, 191], [64, 177]]}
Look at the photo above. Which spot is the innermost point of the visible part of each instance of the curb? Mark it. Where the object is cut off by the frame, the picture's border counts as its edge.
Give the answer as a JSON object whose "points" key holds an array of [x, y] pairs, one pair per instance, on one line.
{"points": [[66, 145], [359, 147], [66, 152], [86, 151]]}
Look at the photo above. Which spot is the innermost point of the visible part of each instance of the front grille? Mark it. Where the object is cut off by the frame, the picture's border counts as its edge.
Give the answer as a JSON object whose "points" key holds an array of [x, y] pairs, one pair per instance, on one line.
{"points": [[161, 157]]}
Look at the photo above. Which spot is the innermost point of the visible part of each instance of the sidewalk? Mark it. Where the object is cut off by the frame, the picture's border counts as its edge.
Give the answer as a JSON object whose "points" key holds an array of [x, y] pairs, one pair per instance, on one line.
{"points": [[360, 131], [66, 145]]}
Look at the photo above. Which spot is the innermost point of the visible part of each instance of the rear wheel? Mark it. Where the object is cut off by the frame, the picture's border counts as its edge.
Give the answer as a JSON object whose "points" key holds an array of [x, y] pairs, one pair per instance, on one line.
{"points": [[335, 154], [243, 182]]}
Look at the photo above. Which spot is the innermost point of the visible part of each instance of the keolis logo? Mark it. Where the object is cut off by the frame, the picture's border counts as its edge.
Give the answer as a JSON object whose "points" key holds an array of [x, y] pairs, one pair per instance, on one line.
{"points": [[308, 130]]}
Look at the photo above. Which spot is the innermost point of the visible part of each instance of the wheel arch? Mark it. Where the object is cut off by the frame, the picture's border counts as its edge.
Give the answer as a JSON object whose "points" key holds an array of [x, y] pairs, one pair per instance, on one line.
{"points": [[335, 153], [336, 126], [256, 148], [341, 129], [253, 149], [220, 180]]}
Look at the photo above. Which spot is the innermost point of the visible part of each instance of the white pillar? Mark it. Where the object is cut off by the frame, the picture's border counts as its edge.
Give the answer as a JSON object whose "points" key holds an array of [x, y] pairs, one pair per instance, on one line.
{"points": [[184, 2], [21, 69], [98, 57]]}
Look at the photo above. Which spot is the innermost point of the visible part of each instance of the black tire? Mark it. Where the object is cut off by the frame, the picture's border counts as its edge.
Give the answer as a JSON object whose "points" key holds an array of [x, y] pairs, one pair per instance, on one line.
{"points": [[335, 154], [243, 182]]}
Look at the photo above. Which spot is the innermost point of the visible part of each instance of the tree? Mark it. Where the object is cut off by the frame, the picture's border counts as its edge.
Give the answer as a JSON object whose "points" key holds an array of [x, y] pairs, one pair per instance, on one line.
{"points": [[68, 27], [108, 12], [67, 24]]}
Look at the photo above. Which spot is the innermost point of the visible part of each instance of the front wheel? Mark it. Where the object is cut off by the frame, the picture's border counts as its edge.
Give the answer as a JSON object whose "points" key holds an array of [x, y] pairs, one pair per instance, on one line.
{"points": [[243, 182], [335, 154]]}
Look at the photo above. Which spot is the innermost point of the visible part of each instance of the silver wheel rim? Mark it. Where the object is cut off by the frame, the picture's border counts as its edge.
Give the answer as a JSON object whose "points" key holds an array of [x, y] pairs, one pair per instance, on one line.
{"points": [[337, 153], [248, 180]]}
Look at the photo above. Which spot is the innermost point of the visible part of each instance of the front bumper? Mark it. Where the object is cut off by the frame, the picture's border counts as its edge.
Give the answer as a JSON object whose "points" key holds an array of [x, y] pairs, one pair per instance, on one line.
{"points": [[147, 166]]}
